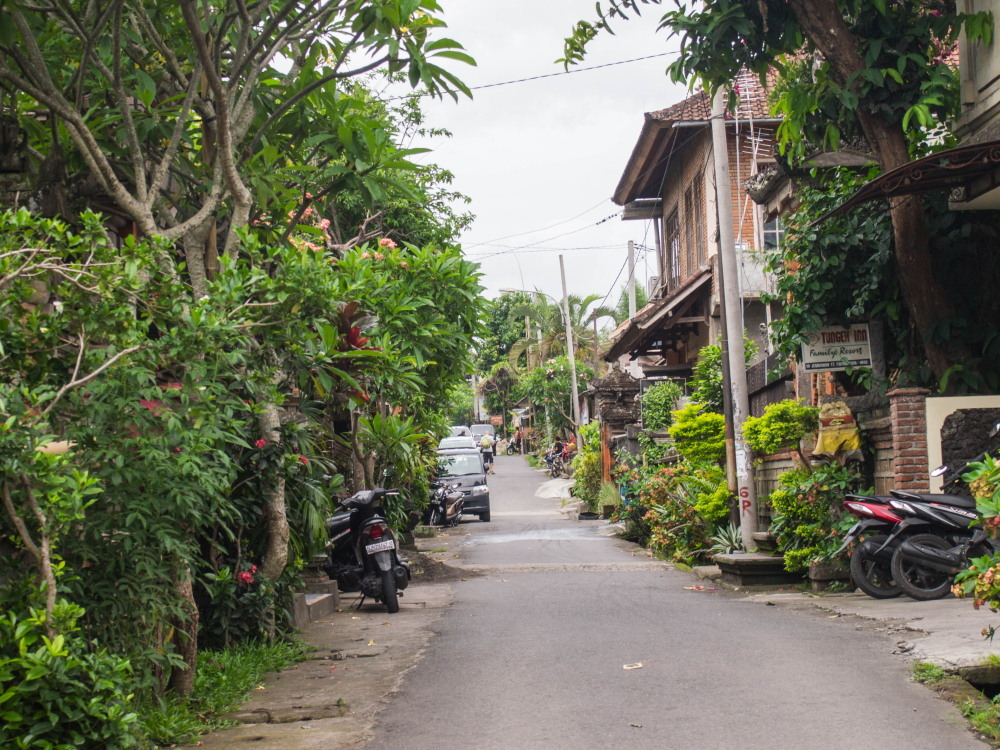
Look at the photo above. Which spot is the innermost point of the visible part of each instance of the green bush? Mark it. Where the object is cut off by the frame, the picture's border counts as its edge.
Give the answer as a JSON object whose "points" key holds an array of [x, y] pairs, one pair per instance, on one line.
{"points": [[783, 425], [698, 435], [58, 693], [807, 516], [658, 403], [587, 469]]}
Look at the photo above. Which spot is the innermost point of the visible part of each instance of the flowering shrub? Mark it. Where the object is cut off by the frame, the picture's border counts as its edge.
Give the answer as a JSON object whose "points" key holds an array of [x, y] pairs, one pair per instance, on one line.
{"points": [[685, 504], [241, 606], [982, 579]]}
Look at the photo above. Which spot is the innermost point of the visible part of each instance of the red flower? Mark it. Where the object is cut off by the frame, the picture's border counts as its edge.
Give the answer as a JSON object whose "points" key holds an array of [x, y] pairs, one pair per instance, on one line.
{"points": [[260, 443], [304, 460]]}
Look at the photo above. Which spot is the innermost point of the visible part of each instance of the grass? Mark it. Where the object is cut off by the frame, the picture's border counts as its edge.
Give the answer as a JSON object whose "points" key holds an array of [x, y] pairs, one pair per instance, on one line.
{"points": [[927, 673], [222, 683], [981, 712]]}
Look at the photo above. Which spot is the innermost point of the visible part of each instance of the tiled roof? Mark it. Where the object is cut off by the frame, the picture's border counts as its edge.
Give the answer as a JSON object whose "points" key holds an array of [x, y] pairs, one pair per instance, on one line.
{"points": [[753, 103]]}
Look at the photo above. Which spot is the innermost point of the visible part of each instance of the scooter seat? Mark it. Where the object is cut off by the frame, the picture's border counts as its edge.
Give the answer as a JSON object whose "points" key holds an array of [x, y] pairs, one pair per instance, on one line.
{"points": [[337, 523], [959, 501]]}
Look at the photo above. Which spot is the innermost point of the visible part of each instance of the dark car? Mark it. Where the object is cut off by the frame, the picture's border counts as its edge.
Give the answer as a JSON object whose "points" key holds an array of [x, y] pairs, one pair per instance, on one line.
{"points": [[464, 467]]}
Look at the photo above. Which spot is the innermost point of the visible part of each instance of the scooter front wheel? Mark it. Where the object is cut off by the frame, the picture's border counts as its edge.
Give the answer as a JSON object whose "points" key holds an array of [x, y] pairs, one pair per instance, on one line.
{"points": [[435, 518], [389, 596], [870, 574], [918, 581]]}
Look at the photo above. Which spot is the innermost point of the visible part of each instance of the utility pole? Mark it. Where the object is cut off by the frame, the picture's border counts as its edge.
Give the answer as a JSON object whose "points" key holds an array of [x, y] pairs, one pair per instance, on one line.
{"points": [[631, 279], [572, 355], [733, 305]]}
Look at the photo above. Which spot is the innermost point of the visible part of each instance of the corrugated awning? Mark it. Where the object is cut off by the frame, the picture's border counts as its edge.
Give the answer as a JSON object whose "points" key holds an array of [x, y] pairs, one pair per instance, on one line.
{"points": [[970, 170]]}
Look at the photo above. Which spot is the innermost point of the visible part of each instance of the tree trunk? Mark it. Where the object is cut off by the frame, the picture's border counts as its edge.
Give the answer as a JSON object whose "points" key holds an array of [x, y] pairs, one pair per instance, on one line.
{"points": [[925, 298], [185, 633], [275, 515]]}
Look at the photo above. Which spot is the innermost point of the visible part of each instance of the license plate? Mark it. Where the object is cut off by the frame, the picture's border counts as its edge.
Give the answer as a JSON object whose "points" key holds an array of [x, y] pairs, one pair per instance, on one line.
{"points": [[380, 546]]}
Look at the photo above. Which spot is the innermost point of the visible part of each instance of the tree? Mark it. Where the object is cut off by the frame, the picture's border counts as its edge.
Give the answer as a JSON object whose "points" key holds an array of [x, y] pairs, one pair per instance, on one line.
{"points": [[621, 309], [549, 386], [874, 69], [547, 316], [178, 116], [504, 323]]}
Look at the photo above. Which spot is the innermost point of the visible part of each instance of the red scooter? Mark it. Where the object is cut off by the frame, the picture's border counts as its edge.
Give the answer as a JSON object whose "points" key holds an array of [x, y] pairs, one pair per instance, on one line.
{"points": [[871, 560]]}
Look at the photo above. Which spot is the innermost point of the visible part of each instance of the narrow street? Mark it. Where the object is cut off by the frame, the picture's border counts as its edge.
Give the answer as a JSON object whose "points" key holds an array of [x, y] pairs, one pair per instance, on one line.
{"points": [[533, 653]]}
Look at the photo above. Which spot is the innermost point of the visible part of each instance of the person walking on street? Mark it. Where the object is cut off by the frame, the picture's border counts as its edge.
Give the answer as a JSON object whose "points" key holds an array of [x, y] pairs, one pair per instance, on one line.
{"points": [[486, 446]]}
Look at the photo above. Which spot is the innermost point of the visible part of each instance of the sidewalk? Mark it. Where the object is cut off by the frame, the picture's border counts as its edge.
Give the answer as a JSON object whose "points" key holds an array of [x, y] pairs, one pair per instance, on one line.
{"points": [[331, 700], [946, 632]]}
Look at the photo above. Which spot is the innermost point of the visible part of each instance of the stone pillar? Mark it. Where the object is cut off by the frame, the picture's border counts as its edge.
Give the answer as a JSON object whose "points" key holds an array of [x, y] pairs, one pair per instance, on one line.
{"points": [[907, 410]]}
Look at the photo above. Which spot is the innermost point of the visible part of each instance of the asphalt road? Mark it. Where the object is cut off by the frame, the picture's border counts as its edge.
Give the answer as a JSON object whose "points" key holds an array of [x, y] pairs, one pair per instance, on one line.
{"points": [[533, 653]]}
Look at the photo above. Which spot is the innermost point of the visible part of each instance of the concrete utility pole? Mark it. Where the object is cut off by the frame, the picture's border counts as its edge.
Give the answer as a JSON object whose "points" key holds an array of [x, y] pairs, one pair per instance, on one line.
{"points": [[631, 279], [746, 493], [572, 355]]}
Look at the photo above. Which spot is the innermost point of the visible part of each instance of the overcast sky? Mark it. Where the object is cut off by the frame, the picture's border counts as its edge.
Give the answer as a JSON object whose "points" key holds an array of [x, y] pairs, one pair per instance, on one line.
{"points": [[540, 159]]}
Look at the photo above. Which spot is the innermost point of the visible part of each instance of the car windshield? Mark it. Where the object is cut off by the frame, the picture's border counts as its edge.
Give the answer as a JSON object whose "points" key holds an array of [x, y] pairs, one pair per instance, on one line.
{"points": [[459, 464], [461, 441]]}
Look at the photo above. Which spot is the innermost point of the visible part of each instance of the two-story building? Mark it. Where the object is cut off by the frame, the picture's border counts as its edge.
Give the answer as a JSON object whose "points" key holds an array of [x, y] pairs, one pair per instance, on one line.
{"points": [[670, 183]]}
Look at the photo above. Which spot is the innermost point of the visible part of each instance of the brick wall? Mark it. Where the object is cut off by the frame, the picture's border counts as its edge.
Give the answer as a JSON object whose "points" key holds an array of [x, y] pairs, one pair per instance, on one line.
{"points": [[909, 436]]}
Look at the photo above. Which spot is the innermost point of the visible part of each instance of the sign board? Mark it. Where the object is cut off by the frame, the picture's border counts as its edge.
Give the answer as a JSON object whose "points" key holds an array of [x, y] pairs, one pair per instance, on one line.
{"points": [[832, 349], [496, 420]]}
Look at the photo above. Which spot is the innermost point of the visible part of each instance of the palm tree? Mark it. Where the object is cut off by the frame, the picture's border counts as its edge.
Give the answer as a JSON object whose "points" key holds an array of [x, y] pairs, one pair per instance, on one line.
{"points": [[549, 335], [621, 309]]}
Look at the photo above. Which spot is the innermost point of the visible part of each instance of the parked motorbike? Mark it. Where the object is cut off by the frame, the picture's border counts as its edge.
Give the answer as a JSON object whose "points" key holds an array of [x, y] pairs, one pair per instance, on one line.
{"points": [[937, 540], [513, 448], [445, 507], [870, 560], [937, 536], [362, 552]]}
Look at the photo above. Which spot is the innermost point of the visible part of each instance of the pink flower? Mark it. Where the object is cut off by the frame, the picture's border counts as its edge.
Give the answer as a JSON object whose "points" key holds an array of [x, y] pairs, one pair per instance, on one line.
{"points": [[386, 242], [365, 256], [379, 256], [324, 224], [244, 578], [260, 443], [404, 264]]}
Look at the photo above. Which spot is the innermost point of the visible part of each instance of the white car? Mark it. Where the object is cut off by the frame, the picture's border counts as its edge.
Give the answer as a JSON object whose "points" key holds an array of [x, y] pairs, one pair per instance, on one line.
{"points": [[457, 441]]}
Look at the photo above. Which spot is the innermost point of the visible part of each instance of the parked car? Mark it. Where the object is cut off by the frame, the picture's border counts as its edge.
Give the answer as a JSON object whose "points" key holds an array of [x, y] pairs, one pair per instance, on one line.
{"points": [[461, 430], [478, 430], [463, 469], [457, 441]]}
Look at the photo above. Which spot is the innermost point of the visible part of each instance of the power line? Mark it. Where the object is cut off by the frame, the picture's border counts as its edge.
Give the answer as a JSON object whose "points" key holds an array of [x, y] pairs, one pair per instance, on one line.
{"points": [[543, 75], [542, 229], [547, 239]]}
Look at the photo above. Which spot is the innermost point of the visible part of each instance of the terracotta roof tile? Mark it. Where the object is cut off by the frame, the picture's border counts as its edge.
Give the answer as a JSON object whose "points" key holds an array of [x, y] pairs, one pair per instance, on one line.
{"points": [[698, 107]]}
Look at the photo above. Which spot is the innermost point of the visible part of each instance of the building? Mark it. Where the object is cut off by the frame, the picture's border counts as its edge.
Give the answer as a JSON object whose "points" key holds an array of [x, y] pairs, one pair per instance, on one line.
{"points": [[669, 182]]}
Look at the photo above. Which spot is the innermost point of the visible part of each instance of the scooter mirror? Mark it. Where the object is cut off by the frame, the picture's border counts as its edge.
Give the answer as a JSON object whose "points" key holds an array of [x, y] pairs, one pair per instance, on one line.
{"points": [[939, 471], [995, 431]]}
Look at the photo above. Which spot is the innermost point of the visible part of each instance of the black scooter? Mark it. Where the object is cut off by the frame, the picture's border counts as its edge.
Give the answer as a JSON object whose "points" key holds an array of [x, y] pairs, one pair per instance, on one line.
{"points": [[938, 535], [363, 553], [445, 506]]}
